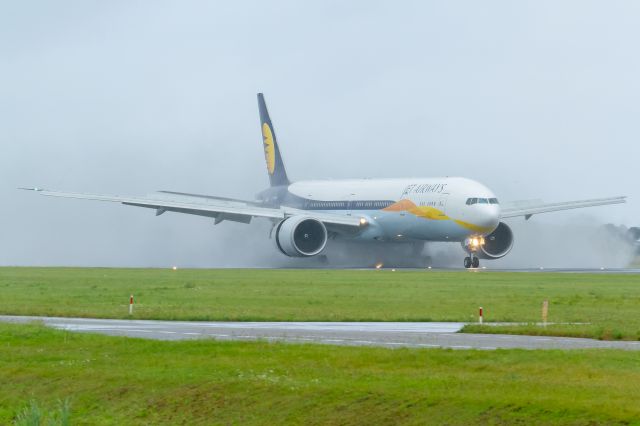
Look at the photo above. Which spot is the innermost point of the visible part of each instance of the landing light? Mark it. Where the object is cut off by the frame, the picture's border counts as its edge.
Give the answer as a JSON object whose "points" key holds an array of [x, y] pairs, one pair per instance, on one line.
{"points": [[378, 265], [477, 241], [474, 243], [363, 221]]}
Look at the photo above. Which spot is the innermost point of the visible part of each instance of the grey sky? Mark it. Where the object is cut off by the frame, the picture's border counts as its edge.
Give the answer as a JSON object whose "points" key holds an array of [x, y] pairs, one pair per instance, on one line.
{"points": [[534, 99]]}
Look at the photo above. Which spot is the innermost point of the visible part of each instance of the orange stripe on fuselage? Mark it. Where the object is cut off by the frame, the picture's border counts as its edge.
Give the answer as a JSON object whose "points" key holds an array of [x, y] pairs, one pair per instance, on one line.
{"points": [[430, 213]]}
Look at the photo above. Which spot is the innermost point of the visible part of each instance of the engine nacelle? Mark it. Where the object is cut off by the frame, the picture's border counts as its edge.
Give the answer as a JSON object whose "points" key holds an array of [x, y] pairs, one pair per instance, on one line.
{"points": [[494, 246], [301, 236]]}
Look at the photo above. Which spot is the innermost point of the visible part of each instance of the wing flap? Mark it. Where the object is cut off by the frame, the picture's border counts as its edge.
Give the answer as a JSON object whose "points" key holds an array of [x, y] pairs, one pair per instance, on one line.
{"points": [[211, 197]]}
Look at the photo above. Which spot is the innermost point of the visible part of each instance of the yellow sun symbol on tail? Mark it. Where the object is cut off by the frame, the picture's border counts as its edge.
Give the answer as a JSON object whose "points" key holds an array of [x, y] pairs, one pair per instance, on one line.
{"points": [[269, 149]]}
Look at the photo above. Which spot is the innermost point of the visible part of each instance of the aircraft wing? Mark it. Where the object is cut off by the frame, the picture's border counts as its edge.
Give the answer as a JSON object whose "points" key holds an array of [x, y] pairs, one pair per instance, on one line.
{"points": [[528, 209], [218, 208], [211, 197]]}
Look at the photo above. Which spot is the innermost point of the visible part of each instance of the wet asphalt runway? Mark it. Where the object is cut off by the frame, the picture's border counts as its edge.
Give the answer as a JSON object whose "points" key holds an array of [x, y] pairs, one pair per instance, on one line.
{"points": [[572, 270], [383, 334], [525, 270]]}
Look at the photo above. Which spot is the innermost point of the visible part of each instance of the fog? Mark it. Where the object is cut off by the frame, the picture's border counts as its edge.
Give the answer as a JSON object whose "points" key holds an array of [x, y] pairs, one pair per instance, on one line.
{"points": [[534, 99]]}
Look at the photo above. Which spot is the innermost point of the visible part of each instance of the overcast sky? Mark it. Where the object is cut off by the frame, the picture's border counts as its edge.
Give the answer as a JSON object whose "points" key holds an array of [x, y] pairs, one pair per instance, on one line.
{"points": [[534, 99]]}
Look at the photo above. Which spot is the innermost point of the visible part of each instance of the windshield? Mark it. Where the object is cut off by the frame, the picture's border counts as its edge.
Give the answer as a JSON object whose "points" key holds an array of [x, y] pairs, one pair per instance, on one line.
{"points": [[471, 201]]}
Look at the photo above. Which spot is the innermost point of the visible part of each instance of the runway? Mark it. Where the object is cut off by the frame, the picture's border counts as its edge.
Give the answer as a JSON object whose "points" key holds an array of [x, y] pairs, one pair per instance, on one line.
{"points": [[572, 270], [383, 334], [631, 271]]}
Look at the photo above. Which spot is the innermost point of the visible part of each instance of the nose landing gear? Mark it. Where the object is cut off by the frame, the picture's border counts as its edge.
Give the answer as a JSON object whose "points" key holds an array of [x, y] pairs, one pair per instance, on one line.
{"points": [[471, 246], [471, 261]]}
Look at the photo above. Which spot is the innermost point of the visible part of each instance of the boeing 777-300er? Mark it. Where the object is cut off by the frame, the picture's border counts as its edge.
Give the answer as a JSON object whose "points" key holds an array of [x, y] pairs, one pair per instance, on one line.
{"points": [[306, 214]]}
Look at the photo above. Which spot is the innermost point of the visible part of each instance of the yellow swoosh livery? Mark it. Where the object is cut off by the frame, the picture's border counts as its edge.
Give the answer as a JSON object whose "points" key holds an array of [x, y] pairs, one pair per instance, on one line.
{"points": [[430, 213]]}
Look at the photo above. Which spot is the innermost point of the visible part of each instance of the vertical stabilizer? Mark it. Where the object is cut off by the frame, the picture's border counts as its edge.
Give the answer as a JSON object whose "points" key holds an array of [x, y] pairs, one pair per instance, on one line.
{"points": [[275, 166]]}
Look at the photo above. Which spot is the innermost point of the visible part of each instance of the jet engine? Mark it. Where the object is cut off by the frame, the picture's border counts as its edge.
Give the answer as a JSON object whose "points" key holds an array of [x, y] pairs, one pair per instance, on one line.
{"points": [[494, 246], [301, 236]]}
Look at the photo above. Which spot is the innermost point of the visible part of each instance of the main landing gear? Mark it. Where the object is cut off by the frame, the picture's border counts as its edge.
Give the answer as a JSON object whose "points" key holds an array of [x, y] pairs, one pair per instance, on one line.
{"points": [[471, 261]]}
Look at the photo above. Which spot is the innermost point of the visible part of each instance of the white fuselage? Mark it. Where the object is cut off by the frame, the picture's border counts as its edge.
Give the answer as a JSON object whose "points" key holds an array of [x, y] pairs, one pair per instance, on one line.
{"points": [[431, 209]]}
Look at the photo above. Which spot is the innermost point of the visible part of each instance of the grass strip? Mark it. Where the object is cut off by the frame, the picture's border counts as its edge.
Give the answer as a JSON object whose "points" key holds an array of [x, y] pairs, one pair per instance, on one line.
{"points": [[608, 304], [114, 380]]}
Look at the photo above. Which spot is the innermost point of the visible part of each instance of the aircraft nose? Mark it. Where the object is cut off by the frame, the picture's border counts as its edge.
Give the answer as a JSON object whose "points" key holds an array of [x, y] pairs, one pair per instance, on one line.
{"points": [[488, 216]]}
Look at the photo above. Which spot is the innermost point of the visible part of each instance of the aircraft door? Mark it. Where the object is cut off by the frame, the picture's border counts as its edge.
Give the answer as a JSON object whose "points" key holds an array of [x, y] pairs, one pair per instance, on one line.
{"points": [[349, 207]]}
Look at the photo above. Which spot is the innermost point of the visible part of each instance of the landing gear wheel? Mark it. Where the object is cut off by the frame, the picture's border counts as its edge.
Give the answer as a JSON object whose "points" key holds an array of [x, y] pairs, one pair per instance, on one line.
{"points": [[467, 262], [475, 262]]}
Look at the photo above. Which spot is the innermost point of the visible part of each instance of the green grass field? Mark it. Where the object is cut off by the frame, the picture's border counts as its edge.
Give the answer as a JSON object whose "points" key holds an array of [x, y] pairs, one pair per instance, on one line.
{"points": [[112, 380], [610, 304]]}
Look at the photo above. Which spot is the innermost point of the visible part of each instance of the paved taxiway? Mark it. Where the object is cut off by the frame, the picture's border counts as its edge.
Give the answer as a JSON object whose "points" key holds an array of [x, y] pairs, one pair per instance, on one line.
{"points": [[385, 334]]}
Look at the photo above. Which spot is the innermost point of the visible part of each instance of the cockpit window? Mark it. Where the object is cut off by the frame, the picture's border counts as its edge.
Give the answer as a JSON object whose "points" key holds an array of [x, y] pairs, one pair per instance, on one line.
{"points": [[471, 201]]}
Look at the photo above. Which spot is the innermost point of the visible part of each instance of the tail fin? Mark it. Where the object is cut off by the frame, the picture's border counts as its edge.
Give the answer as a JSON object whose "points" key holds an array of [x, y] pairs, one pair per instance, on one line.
{"points": [[275, 166]]}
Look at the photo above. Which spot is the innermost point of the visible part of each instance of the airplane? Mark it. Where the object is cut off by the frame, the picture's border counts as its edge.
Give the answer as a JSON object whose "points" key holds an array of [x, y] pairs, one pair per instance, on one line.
{"points": [[305, 215]]}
